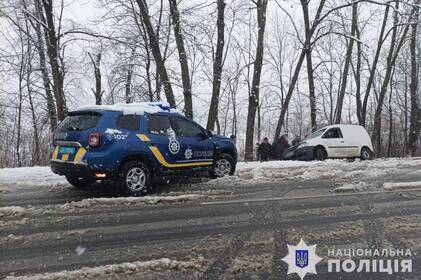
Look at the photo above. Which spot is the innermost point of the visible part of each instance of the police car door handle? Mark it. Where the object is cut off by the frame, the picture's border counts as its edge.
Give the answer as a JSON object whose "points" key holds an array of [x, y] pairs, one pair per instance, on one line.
{"points": [[342, 141], [152, 144]]}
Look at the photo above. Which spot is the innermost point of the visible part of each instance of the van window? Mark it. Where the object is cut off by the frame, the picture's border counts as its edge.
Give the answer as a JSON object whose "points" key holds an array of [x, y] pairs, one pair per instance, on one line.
{"points": [[79, 121], [130, 122], [316, 134], [333, 133], [159, 125]]}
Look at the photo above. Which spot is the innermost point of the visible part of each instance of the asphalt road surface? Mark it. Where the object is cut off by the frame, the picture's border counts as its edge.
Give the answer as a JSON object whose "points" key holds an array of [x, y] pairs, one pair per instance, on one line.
{"points": [[220, 230]]}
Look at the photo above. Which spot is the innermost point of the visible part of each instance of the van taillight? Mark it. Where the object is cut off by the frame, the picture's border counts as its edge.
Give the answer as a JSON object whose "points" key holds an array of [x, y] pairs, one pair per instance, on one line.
{"points": [[94, 139]]}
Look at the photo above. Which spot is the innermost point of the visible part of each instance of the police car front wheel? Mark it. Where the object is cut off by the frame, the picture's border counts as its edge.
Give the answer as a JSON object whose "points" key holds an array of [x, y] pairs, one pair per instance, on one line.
{"points": [[136, 178], [223, 166]]}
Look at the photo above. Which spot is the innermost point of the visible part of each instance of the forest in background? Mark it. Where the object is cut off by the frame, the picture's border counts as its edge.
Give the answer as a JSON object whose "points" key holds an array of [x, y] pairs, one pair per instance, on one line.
{"points": [[253, 68]]}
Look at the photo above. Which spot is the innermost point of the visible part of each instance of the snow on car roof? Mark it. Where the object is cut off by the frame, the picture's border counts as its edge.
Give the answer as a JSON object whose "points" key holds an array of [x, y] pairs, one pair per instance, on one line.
{"points": [[132, 108]]}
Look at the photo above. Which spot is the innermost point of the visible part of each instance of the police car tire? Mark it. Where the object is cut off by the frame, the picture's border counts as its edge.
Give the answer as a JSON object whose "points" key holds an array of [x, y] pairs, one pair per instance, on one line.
{"points": [[129, 166], [212, 173], [80, 183]]}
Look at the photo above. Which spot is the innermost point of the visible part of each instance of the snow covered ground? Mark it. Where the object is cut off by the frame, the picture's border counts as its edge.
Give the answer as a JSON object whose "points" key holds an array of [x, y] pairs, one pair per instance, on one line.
{"points": [[51, 230]]}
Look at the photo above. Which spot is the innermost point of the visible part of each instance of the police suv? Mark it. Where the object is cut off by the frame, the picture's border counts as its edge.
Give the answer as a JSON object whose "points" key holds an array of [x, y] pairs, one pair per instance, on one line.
{"points": [[132, 143]]}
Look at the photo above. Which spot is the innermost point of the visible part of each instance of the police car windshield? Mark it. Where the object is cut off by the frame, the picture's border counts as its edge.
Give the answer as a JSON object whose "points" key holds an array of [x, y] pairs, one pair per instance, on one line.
{"points": [[79, 121]]}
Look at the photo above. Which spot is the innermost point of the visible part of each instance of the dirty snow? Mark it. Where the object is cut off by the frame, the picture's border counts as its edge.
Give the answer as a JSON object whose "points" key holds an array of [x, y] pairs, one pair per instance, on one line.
{"points": [[17, 211], [352, 187], [90, 202], [401, 185], [116, 270], [12, 211]]}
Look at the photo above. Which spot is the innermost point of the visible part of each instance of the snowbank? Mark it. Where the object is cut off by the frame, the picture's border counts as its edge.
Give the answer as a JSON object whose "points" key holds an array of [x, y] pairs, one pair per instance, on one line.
{"points": [[114, 270], [330, 169], [37, 176]]}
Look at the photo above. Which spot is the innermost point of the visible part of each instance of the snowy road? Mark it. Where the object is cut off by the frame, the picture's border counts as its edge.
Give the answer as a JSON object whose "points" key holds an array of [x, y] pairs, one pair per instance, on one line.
{"points": [[229, 228]]}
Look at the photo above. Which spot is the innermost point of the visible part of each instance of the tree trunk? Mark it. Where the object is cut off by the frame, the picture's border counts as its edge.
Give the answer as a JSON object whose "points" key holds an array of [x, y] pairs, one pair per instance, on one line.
{"points": [[415, 118], [357, 76], [373, 68], [254, 95], [98, 92], [55, 60], [217, 67], [51, 107], [156, 52], [348, 58], [185, 74], [310, 75], [128, 85]]}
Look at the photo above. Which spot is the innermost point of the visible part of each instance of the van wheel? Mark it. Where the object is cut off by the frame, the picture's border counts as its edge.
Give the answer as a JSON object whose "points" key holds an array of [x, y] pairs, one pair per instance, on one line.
{"points": [[136, 178], [223, 166], [366, 154], [319, 154], [79, 182]]}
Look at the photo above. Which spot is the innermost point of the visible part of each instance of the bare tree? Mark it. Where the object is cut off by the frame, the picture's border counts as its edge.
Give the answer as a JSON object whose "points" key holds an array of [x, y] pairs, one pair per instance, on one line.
{"points": [[348, 58], [156, 51], [395, 47], [310, 74], [53, 50], [185, 74], [261, 6], [217, 66], [414, 128]]}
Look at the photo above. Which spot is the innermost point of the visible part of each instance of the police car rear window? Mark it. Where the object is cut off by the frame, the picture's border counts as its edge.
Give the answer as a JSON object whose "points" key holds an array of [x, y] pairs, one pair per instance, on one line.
{"points": [[79, 121], [159, 125], [130, 122]]}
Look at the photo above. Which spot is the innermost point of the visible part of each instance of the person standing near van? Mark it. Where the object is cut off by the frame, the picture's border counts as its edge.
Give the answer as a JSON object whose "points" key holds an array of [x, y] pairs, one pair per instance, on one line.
{"points": [[264, 150], [279, 146]]}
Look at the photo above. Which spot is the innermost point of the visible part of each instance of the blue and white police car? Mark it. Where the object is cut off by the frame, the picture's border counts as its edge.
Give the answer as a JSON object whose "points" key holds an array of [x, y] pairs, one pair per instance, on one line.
{"points": [[132, 143]]}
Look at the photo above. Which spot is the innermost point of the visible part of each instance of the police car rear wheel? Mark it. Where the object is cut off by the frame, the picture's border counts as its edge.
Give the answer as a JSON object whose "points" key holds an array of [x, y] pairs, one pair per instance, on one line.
{"points": [[136, 178], [223, 166]]}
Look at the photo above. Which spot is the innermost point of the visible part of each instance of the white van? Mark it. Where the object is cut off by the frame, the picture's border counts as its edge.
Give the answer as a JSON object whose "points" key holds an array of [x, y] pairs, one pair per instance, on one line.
{"points": [[336, 141]]}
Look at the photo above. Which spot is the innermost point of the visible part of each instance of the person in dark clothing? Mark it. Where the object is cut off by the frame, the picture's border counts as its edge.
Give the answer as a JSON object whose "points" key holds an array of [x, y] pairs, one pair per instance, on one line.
{"points": [[279, 146], [264, 150], [296, 140]]}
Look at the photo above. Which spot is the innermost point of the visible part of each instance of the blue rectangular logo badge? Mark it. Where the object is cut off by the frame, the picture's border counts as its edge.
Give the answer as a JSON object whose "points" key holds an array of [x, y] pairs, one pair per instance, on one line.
{"points": [[301, 258]]}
